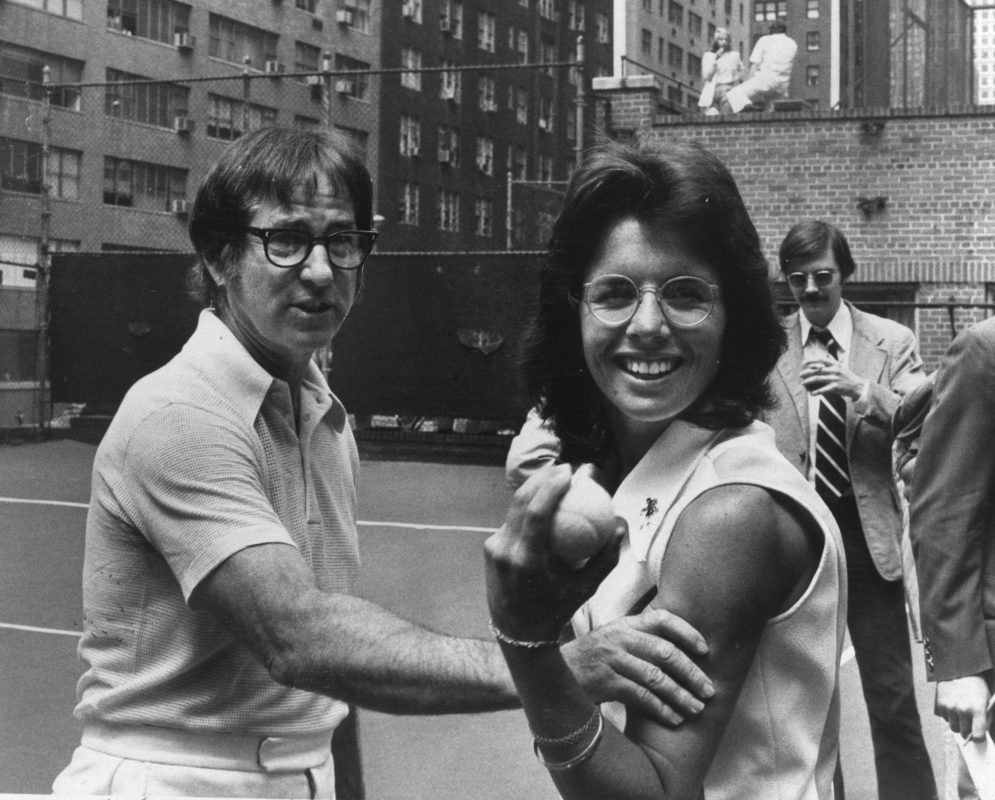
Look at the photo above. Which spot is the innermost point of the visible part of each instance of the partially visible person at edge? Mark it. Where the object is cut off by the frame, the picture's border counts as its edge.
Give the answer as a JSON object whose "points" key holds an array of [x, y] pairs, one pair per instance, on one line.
{"points": [[722, 67], [771, 64], [952, 527], [223, 640], [649, 358], [838, 385]]}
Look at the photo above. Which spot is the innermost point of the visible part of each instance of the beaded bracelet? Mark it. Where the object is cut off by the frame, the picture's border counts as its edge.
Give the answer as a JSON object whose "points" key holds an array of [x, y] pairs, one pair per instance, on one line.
{"points": [[581, 757], [570, 738], [535, 645]]}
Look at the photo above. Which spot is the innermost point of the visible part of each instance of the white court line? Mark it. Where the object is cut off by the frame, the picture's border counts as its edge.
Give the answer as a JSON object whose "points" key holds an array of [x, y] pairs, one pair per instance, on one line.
{"points": [[409, 525], [845, 658], [33, 629]]}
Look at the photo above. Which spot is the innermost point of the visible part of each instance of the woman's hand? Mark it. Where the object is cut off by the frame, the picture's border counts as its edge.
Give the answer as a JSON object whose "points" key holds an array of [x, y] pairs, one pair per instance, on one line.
{"points": [[530, 592]]}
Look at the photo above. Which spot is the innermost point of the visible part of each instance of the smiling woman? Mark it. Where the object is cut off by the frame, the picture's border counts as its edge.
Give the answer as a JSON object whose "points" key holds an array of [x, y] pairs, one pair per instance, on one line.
{"points": [[649, 357]]}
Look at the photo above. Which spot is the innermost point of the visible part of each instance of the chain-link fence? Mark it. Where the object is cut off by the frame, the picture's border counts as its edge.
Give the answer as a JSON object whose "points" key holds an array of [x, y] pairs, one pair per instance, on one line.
{"points": [[464, 159]]}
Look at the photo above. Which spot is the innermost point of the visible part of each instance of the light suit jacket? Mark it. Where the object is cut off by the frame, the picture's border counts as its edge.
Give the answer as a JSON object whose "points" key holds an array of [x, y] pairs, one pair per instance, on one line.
{"points": [[885, 353], [952, 519]]}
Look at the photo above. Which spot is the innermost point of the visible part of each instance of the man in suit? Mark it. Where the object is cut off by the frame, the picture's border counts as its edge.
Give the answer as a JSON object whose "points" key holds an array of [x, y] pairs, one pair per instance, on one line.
{"points": [[953, 531], [839, 382]]}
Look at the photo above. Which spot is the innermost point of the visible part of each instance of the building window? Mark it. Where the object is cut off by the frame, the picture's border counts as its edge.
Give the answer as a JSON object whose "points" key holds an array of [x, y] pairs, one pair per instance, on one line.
{"points": [[408, 201], [410, 136], [357, 83], [63, 173], [21, 169], [769, 10], [360, 15], [546, 114], [694, 24], [311, 6], [142, 185], [486, 26], [411, 9], [547, 54], [812, 75], [694, 64], [451, 85], [411, 59], [307, 58], [485, 155], [523, 47], [451, 18], [812, 9], [517, 162], [487, 93], [127, 97], [571, 124], [158, 20], [602, 25], [449, 145], [233, 41], [575, 15], [674, 95], [448, 211], [306, 123], [228, 118], [675, 56], [812, 40], [646, 42], [72, 9], [547, 9], [521, 105], [22, 67], [483, 216], [544, 166], [675, 14]]}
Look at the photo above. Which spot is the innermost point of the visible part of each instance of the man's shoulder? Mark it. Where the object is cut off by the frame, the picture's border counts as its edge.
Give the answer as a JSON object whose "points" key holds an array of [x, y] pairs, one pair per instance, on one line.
{"points": [[888, 329]]}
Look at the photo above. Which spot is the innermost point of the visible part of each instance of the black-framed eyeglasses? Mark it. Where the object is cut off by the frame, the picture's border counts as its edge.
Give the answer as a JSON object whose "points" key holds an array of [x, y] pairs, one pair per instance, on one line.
{"points": [[287, 247], [685, 301], [822, 278]]}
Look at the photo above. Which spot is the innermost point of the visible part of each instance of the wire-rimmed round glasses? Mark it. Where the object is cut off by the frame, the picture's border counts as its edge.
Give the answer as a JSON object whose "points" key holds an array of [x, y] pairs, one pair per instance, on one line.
{"points": [[288, 247], [685, 301]]}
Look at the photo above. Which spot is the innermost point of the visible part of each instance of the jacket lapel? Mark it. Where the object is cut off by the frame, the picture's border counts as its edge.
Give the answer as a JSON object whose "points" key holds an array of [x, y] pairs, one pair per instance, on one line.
{"points": [[788, 368], [867, 357]]}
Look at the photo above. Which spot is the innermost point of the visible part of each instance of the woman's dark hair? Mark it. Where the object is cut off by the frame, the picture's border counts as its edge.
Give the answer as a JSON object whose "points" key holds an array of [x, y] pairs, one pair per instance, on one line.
{"points": [[277, 164], [812, 239], [675, 186]]}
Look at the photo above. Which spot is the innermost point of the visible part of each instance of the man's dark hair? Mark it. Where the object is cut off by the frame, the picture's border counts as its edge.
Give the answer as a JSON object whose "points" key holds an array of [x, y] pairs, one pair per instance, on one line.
{"points": [[679, 187], [811, 239], [277, 164], [778, 26]]}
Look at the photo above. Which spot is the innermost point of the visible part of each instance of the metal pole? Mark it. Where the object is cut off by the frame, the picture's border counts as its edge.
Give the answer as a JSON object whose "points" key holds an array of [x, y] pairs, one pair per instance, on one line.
{"points": [[44, 262], [581, 103], [507, 215], [326, 68], [246, 93]]}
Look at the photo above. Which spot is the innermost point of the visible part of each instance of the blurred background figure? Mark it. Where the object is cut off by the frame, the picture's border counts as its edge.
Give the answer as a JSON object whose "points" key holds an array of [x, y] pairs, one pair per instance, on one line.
{"points": [[771, 62], [721, 69]]}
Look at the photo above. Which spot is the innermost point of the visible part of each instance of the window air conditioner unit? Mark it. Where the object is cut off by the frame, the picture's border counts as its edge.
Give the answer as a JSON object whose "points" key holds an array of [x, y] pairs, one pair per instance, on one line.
{"points": [[344, 16], [445, 157], [344, 86], [274, 67], [182, 124], [183, 40], [544, 124], [179, 207], [489, 106], [448, 93]]}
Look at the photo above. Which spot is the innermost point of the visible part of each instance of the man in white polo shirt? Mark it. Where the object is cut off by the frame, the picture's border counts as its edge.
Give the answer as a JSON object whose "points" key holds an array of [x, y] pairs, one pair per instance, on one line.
{"points": [[223, 641], [771, 62]]}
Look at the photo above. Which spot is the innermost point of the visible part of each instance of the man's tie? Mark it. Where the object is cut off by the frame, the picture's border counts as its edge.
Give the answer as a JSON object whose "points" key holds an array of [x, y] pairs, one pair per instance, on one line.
{"points": [[832, 473]]}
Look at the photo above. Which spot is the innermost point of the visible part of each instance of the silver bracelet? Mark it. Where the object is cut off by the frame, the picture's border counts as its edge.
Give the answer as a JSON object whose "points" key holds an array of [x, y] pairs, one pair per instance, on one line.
{"points": [[580, 758], [505, 639], [570, 738]]}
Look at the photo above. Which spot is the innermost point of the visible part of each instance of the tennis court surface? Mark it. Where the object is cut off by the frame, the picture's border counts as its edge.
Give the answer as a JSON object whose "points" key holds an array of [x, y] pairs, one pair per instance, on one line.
{"points": [[422, 527]]}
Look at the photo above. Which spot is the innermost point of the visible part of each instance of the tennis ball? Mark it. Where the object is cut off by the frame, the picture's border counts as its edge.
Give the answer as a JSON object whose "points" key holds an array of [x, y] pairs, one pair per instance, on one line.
{"points": [[584, 521]]}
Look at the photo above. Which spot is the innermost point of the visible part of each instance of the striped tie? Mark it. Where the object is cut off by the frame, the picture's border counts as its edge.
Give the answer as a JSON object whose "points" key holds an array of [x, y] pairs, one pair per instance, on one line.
{"points": [[832, 472]]}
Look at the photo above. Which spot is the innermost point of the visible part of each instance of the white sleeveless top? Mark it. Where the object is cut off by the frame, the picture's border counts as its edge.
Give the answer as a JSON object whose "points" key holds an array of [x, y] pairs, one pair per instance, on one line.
{"points": [[783, 737]]}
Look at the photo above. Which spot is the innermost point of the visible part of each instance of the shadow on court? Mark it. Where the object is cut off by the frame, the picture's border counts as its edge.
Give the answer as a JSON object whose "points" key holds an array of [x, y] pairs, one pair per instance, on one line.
{"points": [[431, 575]]}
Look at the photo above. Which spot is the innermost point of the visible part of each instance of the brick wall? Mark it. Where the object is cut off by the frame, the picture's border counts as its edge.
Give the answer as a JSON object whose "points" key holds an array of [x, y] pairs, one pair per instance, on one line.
{"points": [[937, 171]]}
